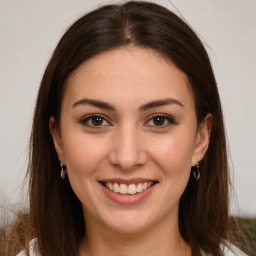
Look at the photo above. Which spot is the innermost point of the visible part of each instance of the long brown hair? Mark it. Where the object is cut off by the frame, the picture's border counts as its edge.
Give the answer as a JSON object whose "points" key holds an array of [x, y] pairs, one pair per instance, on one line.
{"points": [[56, 216]]}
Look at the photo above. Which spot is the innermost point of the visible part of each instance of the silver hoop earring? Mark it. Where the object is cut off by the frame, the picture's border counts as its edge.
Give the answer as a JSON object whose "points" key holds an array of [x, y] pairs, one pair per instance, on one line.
{"points": [[63, 171], [196, 172]]}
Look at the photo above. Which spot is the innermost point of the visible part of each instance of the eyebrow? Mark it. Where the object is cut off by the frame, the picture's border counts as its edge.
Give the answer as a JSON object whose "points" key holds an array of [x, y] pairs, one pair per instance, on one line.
{"points": [[145, 107], [95, 103], [160, 103]]}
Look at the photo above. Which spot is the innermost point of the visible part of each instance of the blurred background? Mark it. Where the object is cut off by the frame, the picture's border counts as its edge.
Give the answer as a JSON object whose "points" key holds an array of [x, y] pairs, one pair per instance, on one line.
{"points": [[30, 30]]}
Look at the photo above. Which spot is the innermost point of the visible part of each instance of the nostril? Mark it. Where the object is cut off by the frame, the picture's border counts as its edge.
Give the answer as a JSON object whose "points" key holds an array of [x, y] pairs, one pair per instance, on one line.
{"points": [[127, 161], [127, 151]]}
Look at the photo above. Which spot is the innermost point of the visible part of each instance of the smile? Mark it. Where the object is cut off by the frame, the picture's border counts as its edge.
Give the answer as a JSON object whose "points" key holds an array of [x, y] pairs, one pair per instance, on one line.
{"points": [[127, 192], [128, 189]]}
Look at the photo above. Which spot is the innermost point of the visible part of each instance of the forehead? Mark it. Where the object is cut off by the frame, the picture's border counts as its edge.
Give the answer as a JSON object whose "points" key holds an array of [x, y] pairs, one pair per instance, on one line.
{"points": [[132, 75]]}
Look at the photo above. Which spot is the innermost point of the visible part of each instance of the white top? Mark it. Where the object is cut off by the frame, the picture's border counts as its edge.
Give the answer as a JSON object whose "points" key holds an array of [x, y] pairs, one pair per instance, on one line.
{"points": [[232, 251], [32, 249]]}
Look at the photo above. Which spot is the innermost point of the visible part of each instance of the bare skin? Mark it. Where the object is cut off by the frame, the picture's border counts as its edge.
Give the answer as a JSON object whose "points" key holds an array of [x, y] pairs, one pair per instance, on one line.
{"points": [[128, 117], [136, 244]]}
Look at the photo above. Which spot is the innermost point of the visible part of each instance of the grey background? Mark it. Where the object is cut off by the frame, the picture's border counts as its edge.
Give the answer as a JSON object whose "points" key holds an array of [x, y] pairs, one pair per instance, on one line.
{"points": [[30, 29]]}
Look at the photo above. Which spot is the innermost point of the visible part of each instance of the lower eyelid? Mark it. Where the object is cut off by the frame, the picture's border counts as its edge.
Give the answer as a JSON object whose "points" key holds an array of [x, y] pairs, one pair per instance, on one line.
{"points": [[170, 119], [87, 118]]}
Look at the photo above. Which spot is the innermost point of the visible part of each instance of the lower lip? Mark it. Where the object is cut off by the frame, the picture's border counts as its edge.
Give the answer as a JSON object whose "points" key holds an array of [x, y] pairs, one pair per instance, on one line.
{"points": [[128, 199]]}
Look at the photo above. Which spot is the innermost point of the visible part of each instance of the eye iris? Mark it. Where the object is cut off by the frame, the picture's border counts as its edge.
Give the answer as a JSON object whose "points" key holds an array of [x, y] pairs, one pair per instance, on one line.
{"points": [[158, 120], [97, 120]]}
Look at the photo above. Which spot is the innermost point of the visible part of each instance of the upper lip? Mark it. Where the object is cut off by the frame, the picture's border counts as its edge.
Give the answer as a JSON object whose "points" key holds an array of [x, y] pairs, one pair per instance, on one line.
{"points": [[127, 181]]}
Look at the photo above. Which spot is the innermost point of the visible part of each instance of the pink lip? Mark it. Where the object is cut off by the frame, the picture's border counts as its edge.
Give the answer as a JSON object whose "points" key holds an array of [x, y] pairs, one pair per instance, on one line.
{"points": [[128, 199], [127, 181]]}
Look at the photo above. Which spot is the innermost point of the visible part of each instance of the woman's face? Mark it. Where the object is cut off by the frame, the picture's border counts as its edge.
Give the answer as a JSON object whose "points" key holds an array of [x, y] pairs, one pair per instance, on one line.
{"points": [[129, 138]]}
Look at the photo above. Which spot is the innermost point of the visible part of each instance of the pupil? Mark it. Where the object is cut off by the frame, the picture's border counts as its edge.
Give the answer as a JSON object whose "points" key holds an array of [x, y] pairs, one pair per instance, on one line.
{"points": [[97, 121], [159, 120]]}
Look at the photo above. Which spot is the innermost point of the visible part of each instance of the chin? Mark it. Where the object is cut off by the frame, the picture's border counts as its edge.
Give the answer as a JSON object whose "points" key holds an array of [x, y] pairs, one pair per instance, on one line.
{"points": [[128, 222]]}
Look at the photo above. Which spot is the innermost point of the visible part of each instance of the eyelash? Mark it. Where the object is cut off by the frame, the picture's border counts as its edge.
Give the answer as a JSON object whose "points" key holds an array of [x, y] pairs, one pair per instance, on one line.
{"points": [[87, 120], [166, 118]]}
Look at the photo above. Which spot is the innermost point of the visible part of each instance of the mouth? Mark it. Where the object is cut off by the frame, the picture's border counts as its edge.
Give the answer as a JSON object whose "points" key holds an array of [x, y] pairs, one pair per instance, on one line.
{"points": [[126, 188]]}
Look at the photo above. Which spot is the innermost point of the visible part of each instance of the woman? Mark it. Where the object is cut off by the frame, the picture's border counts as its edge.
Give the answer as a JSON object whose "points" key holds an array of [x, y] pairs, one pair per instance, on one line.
{"points": [[128, 151]]}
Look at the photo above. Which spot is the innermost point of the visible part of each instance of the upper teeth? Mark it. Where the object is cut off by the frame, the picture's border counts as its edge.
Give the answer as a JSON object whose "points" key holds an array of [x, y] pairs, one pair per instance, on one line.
{"points": [[130, 189]]}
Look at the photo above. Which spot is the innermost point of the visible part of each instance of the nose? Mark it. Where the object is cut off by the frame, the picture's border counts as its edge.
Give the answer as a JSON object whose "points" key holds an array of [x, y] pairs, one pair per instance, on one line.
{"points": [[127, 149]]}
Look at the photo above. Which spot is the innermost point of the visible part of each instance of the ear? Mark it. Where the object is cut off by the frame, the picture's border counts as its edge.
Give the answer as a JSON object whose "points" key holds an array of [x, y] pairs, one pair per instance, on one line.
{"points": [[202, 139], [56, 137]]}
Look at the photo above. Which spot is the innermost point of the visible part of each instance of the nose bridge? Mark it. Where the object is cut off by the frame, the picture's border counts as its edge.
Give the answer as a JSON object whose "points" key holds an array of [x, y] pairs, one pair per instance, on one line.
{"points": [[128, 150]]}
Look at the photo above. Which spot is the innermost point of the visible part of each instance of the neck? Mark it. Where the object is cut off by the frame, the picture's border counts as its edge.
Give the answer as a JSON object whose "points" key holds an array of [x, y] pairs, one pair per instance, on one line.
{"points": [[160, 240]]}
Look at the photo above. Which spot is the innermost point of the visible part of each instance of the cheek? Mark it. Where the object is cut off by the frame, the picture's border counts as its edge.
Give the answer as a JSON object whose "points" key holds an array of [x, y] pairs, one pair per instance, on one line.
{"points": [[83, 154], [174, 154]]}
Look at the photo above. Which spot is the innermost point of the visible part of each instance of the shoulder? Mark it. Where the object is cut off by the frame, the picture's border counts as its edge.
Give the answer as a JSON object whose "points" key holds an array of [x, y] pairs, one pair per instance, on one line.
{"points": [[32, 249], [232, 251]]}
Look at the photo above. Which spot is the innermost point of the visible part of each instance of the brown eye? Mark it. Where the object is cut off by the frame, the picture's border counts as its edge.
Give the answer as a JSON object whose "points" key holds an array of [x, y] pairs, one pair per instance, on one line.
{"points": [[159, 120], [95, 121]]}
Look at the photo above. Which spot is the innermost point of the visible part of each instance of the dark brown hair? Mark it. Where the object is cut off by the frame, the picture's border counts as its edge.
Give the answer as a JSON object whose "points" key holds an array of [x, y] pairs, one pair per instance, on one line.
{"points": [[56, 216]]}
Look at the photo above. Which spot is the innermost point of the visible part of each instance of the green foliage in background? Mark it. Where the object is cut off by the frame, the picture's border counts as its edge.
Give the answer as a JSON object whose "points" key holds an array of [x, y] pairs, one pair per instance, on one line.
{"points": [[247, 235]]}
